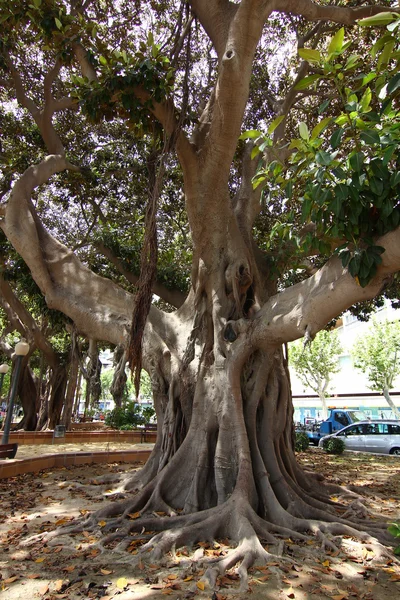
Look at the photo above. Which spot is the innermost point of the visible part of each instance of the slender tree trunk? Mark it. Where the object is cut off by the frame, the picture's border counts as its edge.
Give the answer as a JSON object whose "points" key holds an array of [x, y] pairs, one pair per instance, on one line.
{"points": [[78, 394], [321, 393], [392, 405], [93, 381], [27, 396], [72, 385], [119, 380]]}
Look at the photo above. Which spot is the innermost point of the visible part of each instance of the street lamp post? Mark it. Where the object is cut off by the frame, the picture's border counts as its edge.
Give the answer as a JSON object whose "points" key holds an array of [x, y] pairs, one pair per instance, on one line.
{"points": [[3, 370], [21, 350]]}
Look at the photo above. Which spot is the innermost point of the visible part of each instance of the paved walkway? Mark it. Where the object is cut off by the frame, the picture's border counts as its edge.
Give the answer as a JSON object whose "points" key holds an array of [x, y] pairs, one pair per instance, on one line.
{"points": [[40, 449]]}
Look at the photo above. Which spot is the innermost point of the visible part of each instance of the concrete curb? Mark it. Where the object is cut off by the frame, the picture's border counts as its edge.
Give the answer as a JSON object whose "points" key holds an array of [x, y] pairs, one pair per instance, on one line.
{"points": [[14, 467]]}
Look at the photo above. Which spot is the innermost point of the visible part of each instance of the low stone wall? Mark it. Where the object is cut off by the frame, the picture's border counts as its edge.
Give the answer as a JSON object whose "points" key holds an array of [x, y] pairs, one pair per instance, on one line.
{"points": [[11, 468], [80, 437]]}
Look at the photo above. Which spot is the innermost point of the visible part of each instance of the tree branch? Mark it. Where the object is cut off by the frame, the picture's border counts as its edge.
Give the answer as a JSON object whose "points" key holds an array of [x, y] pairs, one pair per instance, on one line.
{"points": [[305, 308], [99, 308], [29, 323], [315, 12], [172, 296]]}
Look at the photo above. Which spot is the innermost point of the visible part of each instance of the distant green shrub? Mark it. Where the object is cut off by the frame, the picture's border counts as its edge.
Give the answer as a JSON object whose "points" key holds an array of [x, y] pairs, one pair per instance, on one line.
{"points": [[394, 530], [302, 442], [129, 416], [333, 445]]}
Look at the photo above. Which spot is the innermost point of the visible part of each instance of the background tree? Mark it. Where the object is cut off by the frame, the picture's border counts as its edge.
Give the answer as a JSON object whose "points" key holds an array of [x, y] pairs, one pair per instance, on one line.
{"points": [[376, 354], [316, 362], [186, 80]]}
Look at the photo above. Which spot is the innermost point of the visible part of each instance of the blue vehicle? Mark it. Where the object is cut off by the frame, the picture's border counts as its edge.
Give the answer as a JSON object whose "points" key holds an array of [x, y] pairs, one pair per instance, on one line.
{"points": [[338, 418]]}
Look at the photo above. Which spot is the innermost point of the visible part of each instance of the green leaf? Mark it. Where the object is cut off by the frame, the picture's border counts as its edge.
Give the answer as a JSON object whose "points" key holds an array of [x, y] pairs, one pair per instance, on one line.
{"points": [[306, 208], [255, 150], [250, 134], [306, 82], [395, 179], [335, 206], [311, 56], [393, 84], [322, 107], [320, 127], [368, 78], [323, 158], [58, 23], [354, 265], [383, 18], [275, 123], [366, 100], [351, 62], [376, 186], [388, 154], [303, 130], [336, 138], [386, 54], [336, 43], [357, 161], [103, 60], [289, 189], [370, 137]]}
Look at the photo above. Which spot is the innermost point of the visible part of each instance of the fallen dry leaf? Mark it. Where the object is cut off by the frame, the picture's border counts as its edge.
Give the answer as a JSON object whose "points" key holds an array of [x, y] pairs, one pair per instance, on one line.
{"points": [[11, 579], [69, 569], [122, 582], [105, 572], [58, 585], [44, 589], [201, 585]]}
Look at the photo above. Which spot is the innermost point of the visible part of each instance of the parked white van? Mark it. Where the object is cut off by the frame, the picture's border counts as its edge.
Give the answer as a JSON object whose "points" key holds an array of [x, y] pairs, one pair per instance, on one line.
{"points": [[381, 436]]}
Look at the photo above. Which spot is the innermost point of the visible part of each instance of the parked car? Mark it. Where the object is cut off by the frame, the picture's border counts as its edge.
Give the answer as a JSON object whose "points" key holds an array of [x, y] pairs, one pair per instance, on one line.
{"points": [[381, 436]]}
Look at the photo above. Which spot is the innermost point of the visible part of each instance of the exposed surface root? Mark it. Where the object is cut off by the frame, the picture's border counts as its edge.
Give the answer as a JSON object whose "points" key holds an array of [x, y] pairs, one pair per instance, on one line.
{"points": [[123, 527]]}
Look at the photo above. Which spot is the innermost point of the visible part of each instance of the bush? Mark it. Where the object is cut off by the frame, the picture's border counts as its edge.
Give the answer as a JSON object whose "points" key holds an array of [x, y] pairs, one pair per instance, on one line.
{"points": [[394, 530], [302, 441], [333, 445], [129, 416]]}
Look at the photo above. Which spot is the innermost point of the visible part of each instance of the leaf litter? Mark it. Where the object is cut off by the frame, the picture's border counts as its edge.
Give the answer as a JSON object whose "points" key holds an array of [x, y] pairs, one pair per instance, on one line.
{"points": [[73, 569]]}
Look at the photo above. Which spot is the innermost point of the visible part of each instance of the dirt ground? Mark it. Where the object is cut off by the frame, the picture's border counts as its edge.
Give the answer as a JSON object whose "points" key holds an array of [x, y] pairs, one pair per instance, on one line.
{"points": [[33, 503]]}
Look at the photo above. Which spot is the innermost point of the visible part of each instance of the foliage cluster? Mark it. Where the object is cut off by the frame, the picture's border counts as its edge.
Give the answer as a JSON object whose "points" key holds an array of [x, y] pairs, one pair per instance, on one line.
{"points": [[341, 180], [129, 416], [394, 530], [333, 445], [316, 361], [302, 441], [377, 354]]}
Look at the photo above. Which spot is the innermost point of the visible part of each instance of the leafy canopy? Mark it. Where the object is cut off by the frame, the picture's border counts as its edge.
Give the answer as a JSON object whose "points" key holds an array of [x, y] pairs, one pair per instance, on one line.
{"points": [[316, 361], [377, 354], [340, 182]]}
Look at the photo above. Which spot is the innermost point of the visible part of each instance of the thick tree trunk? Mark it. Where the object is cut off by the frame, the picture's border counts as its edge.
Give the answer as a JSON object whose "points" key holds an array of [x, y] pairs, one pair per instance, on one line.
{"points": [[58, 384]]}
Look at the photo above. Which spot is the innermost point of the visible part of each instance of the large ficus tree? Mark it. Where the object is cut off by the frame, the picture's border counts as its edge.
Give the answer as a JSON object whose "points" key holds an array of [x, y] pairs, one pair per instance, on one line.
{"points": [[264, 271]]}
